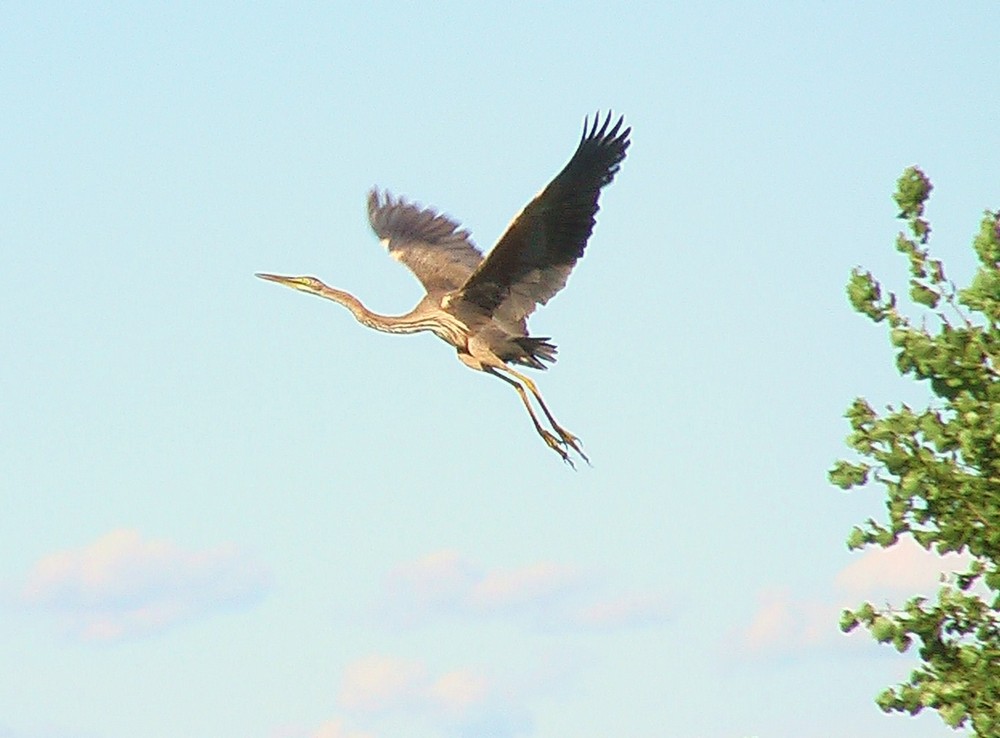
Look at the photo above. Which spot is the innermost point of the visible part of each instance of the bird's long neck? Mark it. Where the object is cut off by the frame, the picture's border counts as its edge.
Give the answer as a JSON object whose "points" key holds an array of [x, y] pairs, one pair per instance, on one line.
{"points": [[384, 323]]}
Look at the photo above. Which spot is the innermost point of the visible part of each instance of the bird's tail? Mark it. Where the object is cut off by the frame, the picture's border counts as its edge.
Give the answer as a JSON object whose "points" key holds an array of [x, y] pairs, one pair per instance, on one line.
{"points": [[536, 350]]}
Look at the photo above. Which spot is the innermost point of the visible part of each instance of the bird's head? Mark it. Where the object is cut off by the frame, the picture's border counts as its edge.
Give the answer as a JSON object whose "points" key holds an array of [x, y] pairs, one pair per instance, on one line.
{"points": [[304, 284]]}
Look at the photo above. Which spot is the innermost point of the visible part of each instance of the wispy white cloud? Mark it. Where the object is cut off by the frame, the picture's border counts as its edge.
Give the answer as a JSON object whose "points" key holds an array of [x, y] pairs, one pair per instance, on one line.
{"points": [[782, 622], [459, 691], [378, 692], [123, 585], [379, 683], [43, 732], [438, 582], [464, 702], [626, 611], [543, 594], [785, 623], [332, 728], [337, 729], [522, 586], [905, 569]]}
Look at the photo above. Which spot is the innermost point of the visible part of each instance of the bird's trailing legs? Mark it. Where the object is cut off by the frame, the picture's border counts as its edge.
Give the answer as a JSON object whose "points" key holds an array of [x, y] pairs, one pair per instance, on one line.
{"points": [[565, 439]]}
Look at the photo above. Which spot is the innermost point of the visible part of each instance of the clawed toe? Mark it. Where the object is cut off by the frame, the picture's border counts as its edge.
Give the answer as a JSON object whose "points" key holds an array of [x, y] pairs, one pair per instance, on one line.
{"points": [[556, 444], [573, 442], [566, 440]]}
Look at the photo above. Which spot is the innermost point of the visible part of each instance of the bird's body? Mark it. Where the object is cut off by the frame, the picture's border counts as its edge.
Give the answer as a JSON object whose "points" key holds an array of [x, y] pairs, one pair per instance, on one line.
{"points": [[481, 305]]}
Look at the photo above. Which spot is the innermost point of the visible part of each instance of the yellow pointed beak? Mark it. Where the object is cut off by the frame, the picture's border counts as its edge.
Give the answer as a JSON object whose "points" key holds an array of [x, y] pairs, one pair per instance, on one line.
{"points": [[273, 277], [296, 283]]}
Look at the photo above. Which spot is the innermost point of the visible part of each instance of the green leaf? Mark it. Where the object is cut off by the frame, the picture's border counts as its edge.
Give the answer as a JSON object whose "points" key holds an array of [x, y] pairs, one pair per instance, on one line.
{"points": [[954, 715], [924, 294], [912, 190], [883, 629], [857, 539], [886, 701], [987, 243], [865, 295], [902, 642], [846, 475]]}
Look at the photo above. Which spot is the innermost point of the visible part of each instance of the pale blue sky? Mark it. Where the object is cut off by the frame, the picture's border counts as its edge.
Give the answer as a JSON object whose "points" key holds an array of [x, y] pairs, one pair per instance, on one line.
{"points": [[230, 511]]}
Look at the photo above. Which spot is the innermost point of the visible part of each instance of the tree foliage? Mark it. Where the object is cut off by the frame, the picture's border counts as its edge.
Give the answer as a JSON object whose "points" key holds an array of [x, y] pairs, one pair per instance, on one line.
{"points": [[940, 469]]}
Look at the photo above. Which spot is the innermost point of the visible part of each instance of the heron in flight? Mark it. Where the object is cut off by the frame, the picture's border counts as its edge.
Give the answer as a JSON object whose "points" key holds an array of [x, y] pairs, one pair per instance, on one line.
{"points": [[481, 305]]}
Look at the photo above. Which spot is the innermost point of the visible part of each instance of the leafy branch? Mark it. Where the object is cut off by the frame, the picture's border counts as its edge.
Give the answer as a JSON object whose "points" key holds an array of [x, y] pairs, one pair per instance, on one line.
{"points": [[940, 469]]}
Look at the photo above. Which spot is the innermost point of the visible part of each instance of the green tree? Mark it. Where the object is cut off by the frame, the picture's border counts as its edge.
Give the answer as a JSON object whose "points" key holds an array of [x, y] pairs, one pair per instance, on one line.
{"points": [[940, 469]]}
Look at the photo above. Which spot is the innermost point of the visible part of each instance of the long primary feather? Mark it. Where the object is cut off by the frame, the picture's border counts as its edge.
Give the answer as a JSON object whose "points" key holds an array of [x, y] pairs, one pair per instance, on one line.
{"points": [[436, 249], [535, 255]]}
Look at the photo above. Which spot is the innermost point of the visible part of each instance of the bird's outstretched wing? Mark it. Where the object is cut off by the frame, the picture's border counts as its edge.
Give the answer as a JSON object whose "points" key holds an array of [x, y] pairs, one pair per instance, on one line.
{"points": [[434, 247], [535, 255]]}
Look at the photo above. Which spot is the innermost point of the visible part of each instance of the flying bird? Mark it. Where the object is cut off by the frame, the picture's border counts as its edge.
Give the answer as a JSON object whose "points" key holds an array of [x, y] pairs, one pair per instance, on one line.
{"points": [[481, 305]]}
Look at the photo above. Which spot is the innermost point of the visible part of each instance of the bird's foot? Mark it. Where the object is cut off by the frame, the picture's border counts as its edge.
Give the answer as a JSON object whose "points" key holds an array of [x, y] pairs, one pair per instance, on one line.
{"points": [[556, 444], [571, 441]]}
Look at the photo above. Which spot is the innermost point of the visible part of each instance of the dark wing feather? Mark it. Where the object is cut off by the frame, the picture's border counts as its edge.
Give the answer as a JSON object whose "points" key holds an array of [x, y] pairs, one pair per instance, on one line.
{"points": [[534, 257], [434, 247]]}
